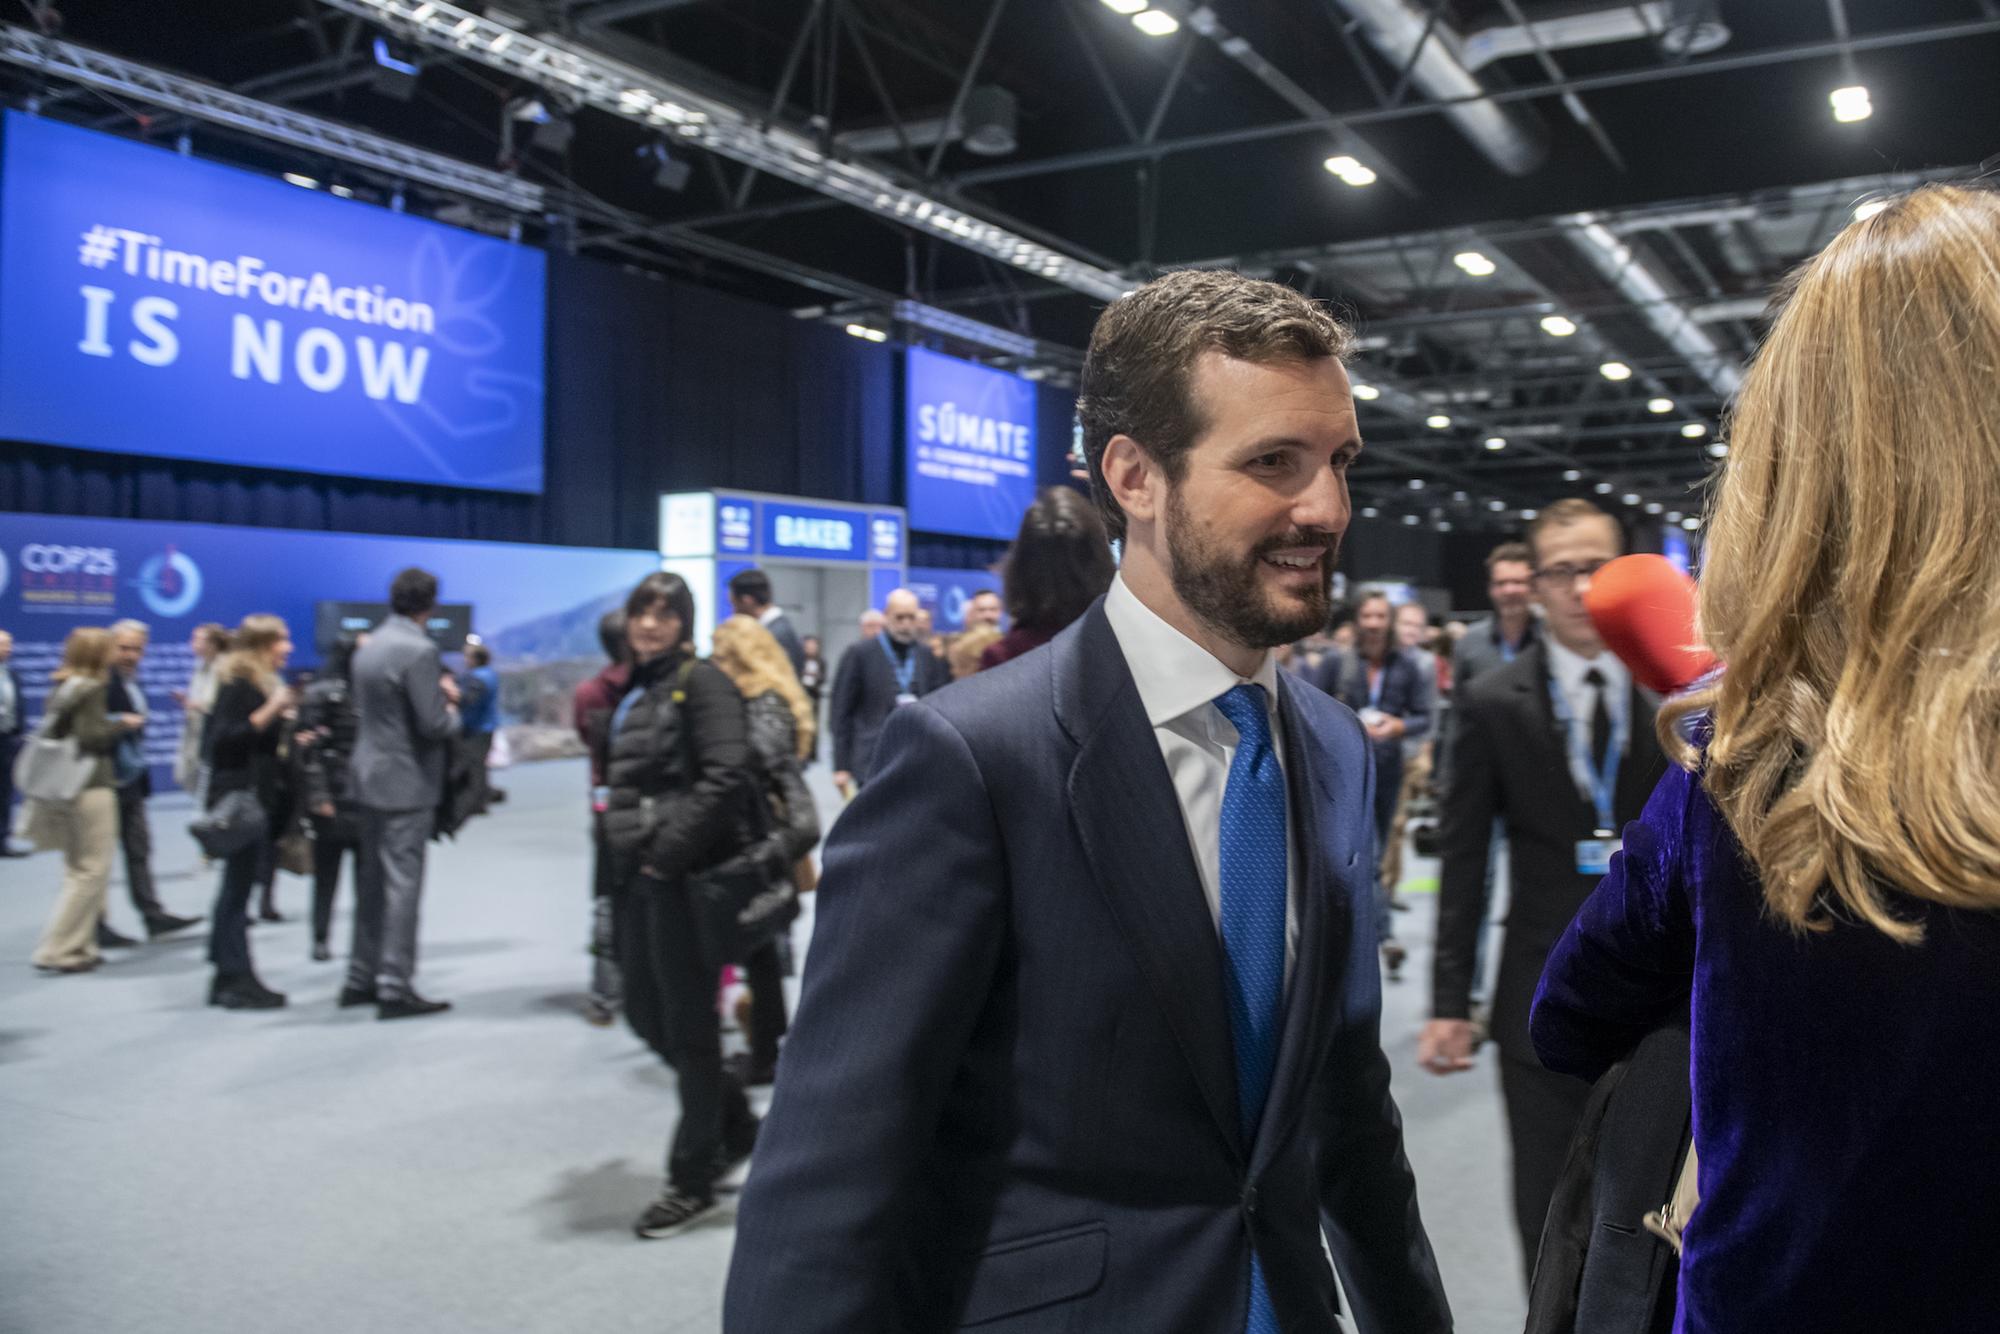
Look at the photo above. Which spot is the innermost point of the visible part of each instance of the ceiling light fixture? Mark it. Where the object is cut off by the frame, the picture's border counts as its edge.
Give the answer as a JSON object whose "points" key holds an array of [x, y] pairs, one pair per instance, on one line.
{"points": [[1850, 104], [1156, 23], [1411, 520], [1367, 393], [1615, 370], [1659, 406], [1369, 512], [873, 335], [1691, 525], [1604, 488], [1572, 475], [1558, 326], [1630, 497], [1654, 507], [1416, 484], [1475, 264], [1496, 443], [1718, 450], [1694, 430], [1496, 505], [1126, 7], [1530, 515], [1347, 168], [303, 182], [1437, 421]]}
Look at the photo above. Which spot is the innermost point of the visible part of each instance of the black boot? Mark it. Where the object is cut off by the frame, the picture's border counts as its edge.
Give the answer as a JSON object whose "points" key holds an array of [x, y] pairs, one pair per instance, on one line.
{"points": [[243, 992]]}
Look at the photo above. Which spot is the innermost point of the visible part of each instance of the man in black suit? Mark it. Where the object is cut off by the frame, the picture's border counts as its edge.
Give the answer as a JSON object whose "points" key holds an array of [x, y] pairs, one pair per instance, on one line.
{"points": [[750, 595], [13, 722], [874, 679], [1559, 745], [1090, 1032], [134, 778]]}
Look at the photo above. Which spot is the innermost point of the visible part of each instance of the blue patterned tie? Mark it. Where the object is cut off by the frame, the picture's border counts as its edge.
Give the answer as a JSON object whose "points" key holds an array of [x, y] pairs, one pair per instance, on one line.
{"points": [[1253, 926]]}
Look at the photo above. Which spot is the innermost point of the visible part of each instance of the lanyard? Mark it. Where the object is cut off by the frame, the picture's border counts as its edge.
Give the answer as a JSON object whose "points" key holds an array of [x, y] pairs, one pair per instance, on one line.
{"points": [[1603, 776], [1375, 686], [905, 670], [624, 707]]}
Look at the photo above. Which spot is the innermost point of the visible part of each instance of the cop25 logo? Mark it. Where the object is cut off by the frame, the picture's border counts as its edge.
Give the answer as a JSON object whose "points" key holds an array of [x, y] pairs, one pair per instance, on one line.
{"points": [[169, 584]]}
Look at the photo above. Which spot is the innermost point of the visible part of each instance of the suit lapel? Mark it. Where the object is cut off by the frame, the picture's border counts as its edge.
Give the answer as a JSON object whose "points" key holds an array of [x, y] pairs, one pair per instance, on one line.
{"points": [[1123, 806], [1546, 731], [1323, 923]]}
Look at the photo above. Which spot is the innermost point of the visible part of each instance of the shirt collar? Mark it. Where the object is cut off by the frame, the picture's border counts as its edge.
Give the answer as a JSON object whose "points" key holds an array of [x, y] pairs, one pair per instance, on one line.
{"points": [[1175, 675], [1571, 667], [769, 614]]}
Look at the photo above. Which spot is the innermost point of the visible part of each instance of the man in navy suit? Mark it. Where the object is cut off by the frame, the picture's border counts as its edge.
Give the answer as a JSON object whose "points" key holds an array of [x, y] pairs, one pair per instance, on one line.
{"points": [[1090, 1032], [876, 677]]}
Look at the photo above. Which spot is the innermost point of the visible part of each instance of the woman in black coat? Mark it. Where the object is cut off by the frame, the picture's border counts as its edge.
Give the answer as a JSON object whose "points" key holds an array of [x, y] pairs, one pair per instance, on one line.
{"points": [[323, 744], [679, 767], [243, 731]]}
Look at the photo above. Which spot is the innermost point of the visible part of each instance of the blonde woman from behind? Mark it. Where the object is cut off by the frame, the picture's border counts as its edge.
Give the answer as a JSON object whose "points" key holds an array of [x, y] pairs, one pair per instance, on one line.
{"points": [[85, 827], [781, 734], [1823, 874]]}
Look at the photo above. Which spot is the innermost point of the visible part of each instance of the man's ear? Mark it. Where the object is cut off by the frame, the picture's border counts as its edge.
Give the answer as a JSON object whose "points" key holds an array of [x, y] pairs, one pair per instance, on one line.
{"points": [[1130, 474]]}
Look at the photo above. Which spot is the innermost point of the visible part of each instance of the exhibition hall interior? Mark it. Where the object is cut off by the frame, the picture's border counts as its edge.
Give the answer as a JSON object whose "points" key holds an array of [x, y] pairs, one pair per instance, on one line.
{"points": [[588, 589]]}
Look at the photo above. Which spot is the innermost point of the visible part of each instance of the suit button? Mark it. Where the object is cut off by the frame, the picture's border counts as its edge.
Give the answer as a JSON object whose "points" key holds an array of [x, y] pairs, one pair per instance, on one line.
{"points": [[1250, 1200]]}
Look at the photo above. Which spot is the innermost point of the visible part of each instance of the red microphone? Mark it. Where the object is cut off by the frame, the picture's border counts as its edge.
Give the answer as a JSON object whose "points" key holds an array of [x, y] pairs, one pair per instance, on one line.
{"points": [[1643, 608]]}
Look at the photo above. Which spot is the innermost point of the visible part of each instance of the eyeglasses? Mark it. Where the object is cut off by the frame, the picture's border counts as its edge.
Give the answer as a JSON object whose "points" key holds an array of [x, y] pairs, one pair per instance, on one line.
{"points": [[1565, 576]]}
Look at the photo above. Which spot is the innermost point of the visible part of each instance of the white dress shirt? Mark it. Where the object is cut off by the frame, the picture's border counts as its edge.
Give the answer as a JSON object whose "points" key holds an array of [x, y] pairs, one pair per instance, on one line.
{"points": [[1570, 668], [769, 614], [1179, 682]]}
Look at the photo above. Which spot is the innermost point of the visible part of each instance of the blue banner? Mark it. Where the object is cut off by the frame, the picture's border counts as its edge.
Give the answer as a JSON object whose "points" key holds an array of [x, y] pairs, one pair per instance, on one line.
{"points": [[152, 303], [536, 607], [947, 593], [969, 442]]}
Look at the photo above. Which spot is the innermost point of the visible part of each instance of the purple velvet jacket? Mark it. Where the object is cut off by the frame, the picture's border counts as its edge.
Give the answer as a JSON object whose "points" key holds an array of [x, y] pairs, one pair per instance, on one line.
{"points": [[1846, 1088]]}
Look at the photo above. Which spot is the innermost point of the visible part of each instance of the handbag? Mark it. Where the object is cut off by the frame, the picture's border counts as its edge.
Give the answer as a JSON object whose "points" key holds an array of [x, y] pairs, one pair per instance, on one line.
{"points": [[232, 824], [52, 768], [739, 907]]}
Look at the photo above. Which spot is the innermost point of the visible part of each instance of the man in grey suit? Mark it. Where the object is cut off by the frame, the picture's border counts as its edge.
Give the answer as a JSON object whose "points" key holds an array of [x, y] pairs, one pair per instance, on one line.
{"points": [[408, 714]]}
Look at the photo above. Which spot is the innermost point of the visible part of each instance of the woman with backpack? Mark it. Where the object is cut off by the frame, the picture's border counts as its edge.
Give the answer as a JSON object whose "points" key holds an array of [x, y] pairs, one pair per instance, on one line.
{"points": [[781, 724], [84, 826], [679, 767]]}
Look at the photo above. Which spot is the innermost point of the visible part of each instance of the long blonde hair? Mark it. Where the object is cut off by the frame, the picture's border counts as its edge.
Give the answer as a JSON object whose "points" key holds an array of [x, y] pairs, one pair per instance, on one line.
{"points": [[248, 658], [751, 656], [86, 654], [1852, 578]]}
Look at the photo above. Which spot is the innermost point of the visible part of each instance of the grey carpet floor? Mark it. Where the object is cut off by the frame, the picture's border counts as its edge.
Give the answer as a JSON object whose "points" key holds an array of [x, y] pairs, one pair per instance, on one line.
{"points": [[175, 1169]]}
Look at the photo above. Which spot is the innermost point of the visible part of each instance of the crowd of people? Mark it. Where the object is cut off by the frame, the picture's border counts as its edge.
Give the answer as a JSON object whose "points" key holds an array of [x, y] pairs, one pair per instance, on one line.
{"points": [[1138, 1106]]}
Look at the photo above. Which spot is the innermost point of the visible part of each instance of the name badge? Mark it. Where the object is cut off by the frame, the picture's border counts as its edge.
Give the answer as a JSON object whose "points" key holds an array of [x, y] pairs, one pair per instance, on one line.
{"points": [[905, 698], [1593, 855]]}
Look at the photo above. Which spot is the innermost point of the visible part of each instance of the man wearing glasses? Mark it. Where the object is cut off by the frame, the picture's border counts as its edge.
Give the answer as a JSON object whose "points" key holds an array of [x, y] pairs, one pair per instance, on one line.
{"points": [[1557, 744]]}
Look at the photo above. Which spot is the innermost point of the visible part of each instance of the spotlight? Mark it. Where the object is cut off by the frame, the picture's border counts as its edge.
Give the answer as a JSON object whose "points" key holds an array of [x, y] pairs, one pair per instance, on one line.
{"points": [[669, 172], [1558, 326], [1475, 264], [1850, 104], [396, 70], [553, 127], [1659, 405], [1694, 430], [1615, 370]]}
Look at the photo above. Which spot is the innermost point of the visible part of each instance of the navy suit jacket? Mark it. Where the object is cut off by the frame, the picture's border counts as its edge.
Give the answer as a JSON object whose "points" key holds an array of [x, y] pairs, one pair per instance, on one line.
{"points": [[864, 695], [1008, 1101]]}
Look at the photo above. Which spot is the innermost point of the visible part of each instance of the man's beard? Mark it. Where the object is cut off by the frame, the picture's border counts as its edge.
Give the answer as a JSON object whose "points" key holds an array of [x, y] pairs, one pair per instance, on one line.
{"points": [[1225, 591]]}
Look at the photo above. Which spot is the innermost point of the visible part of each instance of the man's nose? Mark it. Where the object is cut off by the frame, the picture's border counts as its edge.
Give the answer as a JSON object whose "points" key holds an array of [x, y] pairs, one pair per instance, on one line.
{"points": [[1324, 503]]}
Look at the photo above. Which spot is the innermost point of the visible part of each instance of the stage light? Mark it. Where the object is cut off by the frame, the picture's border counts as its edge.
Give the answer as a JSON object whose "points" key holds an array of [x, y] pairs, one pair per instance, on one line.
{"points": [[669, 172], [1156, 23], [396, 70], [1475, 264], [1367, 393], [1694, 430], [1615, 370], [1496, 443], [1658, 406], [1558, 326], [1850, 104]]}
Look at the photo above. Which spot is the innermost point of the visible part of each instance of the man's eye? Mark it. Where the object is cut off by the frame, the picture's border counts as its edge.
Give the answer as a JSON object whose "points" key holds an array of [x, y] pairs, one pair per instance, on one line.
{"points": [[1271, 460]]}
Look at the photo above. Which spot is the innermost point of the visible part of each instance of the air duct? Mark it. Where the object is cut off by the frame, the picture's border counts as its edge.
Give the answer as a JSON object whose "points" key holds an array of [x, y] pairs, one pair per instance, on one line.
{"points": [[1511, 137], [1626, 271], [1596, 25]]}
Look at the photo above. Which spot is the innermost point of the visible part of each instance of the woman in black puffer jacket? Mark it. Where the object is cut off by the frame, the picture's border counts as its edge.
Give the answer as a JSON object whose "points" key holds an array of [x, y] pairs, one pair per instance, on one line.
{"points": [[322, 747], [680, 771]]}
